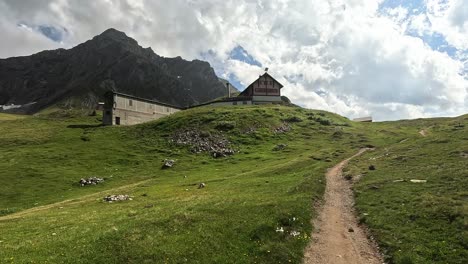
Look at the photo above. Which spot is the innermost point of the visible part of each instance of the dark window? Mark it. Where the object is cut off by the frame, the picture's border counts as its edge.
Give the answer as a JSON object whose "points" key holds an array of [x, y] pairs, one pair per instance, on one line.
{"points": [[244, 102], [234, 103], [117, 120], [130, 102]]}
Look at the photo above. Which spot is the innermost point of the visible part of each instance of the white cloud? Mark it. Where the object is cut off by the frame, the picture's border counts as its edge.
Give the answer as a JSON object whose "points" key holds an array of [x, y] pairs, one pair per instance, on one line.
{"points": [[341, 56], [450, 19]]}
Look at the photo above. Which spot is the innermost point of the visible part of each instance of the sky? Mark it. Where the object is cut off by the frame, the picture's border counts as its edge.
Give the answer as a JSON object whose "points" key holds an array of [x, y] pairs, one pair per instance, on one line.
{"points": [[390, 59]]}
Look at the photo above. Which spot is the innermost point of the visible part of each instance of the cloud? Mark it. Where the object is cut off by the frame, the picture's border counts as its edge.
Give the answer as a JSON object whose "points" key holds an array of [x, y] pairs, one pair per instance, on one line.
{"points": [[352, 57]]}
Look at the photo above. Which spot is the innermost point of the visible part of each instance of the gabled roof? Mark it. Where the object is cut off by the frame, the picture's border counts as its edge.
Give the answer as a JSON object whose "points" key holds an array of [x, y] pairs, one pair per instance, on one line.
{"points": [[265, 74]]}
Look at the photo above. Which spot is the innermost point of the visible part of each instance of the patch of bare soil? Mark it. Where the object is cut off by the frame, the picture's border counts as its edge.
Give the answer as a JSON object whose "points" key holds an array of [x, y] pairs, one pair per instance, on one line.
{"points": [[423, 132], [338, 238]]}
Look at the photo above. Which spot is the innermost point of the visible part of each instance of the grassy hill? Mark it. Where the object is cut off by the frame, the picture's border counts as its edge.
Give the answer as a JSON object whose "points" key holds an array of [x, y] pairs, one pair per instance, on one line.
{"points": [[272, 181]]}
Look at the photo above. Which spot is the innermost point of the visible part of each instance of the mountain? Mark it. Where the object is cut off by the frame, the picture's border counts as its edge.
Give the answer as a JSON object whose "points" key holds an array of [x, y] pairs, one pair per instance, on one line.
{"points": [[110, 61]]}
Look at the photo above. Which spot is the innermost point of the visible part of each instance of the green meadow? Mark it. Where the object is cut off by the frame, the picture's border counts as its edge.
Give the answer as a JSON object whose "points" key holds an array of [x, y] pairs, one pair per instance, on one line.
{"points": [[46, 217]]}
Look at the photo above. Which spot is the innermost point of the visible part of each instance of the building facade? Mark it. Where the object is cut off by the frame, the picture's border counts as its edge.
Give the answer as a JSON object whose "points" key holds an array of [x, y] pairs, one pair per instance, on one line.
{"points": [[123, 109], [264, 90]]}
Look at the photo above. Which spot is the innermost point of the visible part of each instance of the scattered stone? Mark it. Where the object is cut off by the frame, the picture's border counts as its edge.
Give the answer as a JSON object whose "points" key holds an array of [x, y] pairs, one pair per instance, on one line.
{"points": [[285, 127], [279, 147], [201, 185], [144, 195], [214, 143], [418, 181], [400, 180], [90, 181], [371, 167], [350, 230], [280, 229], [294, 233], [168, 163], [374, 187], [348, 177], [149, 206], [116, 198]]}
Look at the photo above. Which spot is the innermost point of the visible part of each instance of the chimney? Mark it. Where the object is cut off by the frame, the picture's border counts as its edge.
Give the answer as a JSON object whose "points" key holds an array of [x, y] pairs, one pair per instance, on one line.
{"points": [[229, 90]]}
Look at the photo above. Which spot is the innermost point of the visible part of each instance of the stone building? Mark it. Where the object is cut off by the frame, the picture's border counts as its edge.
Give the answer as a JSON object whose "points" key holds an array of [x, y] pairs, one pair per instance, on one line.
{"points": [[123, 109]]}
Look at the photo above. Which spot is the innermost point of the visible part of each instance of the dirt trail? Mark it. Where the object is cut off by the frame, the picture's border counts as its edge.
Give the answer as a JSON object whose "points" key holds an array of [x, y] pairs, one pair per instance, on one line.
{"points": [[69, 202], [338, 237]]}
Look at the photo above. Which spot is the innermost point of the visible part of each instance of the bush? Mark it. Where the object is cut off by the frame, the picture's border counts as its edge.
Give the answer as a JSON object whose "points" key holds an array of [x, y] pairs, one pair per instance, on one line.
{"points": [[293, 119], [225, 125]]}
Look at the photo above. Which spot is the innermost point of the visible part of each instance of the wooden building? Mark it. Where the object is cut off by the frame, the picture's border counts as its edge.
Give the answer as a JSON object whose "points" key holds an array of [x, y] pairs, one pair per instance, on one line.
{"points": [[264, 90], [124, 109]]}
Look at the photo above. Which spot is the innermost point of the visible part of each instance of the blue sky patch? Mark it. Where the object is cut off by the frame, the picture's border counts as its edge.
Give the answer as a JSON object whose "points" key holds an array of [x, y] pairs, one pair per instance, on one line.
{"points": [[56, 34], [53, 33], [240, 54]]}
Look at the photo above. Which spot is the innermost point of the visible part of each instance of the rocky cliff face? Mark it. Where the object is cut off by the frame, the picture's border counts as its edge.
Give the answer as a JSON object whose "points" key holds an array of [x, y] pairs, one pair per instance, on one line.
{"points": [[111, 61]]}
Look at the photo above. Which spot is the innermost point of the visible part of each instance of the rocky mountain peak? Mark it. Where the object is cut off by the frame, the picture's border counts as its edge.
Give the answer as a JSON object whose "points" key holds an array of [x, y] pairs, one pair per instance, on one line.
{"points": [[109, 61]]}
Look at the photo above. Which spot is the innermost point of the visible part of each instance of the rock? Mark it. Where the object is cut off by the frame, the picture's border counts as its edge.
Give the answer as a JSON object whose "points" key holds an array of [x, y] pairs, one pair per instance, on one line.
{"points": [[371, 167], [280, 229], [168, 163], [116, 198], [279, 147], [200, 141], [348, 177], [294, 233], [285, 127], [201, 185], [350, 230], [149, 206], [90, 181], [374, 187], [418, 181], [401, 180]]}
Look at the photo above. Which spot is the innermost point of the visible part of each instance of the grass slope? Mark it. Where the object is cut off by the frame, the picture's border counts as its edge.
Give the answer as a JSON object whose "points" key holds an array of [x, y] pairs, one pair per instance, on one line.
{"points": [[47, 217], [234, 219], [418, 222]]}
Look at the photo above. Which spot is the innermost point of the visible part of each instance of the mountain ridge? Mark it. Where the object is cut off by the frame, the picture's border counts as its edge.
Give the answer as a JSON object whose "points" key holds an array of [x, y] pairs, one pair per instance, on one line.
{"points": [[79, 76]]}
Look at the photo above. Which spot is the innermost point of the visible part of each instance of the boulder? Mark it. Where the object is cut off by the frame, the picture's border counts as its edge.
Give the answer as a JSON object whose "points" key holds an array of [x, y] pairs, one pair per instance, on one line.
{"points": [[116, 198], [90, 181], [168, 163]]}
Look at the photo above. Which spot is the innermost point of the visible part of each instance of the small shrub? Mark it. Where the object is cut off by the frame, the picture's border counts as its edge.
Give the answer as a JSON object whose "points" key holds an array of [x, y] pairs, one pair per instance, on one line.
{"points": [[225, 125], [293, 119]]}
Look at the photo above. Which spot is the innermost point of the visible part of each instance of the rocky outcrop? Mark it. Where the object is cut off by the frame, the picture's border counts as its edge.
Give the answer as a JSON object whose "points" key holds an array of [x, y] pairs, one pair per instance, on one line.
{"points": [[79, 77], [200, 141]]}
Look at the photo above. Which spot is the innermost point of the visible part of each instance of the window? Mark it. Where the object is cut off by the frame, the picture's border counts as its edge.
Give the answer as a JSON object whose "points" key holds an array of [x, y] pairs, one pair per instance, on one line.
{"points": [[234, 103], [117, 120], [130, 102], [244, 102]]}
